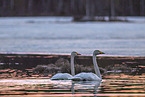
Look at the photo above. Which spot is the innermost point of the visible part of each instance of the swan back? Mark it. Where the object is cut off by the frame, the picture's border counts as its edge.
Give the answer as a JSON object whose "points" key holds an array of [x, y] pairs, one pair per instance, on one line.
{"points": [[62, 76], [86, 77]]}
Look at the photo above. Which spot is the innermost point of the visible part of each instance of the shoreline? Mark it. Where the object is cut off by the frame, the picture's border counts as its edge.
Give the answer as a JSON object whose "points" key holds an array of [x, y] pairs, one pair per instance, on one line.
{"points": [[68, 54], [34, 59], [25, 64]]}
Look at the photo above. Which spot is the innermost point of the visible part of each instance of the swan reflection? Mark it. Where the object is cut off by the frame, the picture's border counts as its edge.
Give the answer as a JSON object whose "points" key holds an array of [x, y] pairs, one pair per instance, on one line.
{"points": [[77, 87], [85, 86]]}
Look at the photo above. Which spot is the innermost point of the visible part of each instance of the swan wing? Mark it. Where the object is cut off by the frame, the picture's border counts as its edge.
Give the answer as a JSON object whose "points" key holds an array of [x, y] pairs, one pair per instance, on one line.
{"points": [[86, 77], [61, 76]]}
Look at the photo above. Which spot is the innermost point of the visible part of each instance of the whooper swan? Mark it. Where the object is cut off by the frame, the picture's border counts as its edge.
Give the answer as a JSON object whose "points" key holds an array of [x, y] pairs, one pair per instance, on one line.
{"points": [[90, 76], [66, 76]]}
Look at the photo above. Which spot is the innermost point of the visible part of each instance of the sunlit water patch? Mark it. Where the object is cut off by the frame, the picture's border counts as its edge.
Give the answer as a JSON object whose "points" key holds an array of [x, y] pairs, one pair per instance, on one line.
{"points": [[112, 85], [119, 79]]}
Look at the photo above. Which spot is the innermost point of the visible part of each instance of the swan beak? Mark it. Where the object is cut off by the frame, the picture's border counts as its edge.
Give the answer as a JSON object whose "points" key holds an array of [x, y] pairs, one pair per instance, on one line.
{"points": [[101, 52], [78, 53]]}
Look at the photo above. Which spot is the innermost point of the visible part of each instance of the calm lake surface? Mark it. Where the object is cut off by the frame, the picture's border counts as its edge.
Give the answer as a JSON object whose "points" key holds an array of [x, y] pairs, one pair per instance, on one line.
{"points": [[61, 35]]}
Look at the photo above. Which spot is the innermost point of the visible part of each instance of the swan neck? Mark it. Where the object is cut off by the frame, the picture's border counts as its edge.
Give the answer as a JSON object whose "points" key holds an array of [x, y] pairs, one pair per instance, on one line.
{"points": [[97, 71], [72, 65]]}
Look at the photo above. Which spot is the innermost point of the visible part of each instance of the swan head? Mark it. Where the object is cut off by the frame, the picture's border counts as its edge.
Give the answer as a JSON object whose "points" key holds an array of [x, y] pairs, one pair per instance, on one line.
{"points": [[97, 52], [75, 53]]}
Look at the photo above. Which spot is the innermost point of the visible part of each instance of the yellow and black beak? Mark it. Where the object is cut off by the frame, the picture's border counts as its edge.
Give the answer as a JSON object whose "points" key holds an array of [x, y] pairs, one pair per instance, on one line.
{"points": [[78, 53], [101, 52]]}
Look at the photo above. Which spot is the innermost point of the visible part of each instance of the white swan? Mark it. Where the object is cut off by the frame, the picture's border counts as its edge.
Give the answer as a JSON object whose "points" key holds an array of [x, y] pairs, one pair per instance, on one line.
{"points": [[90, 76], [66, 76]]}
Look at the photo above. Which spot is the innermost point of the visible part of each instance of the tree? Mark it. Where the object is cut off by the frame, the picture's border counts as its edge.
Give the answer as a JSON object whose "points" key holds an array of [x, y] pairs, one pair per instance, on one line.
{"points": [[142, 8], [131, 7], [112, 10], [90, 7]]}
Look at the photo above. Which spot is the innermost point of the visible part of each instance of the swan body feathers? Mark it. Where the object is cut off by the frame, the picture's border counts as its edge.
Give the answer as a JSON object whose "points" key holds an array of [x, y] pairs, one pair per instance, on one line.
{"points": [[86, 77], [62, 76]]}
